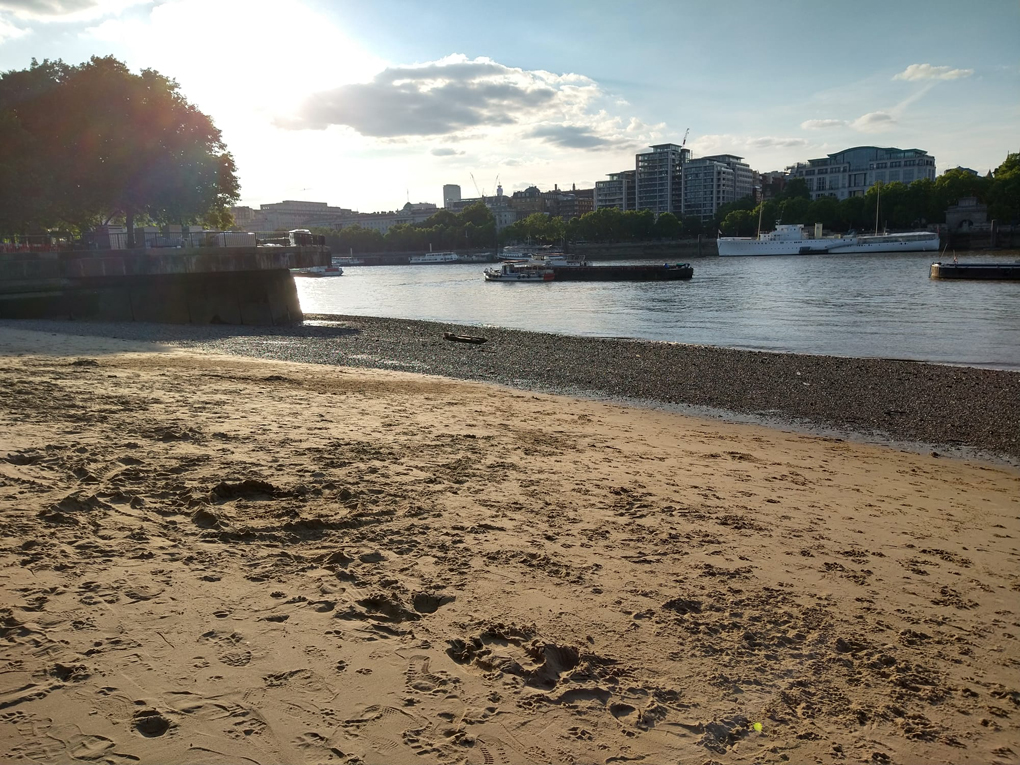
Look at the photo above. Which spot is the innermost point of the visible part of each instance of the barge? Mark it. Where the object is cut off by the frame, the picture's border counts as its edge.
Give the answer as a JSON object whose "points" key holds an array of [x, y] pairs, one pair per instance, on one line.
{"points": [[666, 272], [990, 271], [560, 268]]}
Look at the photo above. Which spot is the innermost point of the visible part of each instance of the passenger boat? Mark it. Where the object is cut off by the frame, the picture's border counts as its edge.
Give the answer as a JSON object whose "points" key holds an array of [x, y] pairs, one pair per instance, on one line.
{"points": [[791, 239], [433, 257], [519, 271], [317, 271]]}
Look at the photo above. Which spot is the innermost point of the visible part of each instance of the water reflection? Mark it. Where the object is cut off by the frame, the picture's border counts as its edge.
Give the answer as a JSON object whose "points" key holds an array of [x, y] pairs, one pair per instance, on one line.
{"points": [[845, 305]]}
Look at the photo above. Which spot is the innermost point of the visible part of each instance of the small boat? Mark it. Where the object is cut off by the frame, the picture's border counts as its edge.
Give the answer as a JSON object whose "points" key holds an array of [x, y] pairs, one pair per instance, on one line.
{"points": [[519, 271], [317, 271], [433, 257]]}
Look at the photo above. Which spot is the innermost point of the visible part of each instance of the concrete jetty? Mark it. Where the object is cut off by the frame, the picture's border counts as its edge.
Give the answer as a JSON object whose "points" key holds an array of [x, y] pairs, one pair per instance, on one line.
{"points": [[194, 285]]}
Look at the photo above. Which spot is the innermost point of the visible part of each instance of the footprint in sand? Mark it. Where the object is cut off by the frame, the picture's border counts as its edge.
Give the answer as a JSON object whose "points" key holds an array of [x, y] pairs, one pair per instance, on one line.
{"points": [[493, 751], [230, 648], [419, 678]]}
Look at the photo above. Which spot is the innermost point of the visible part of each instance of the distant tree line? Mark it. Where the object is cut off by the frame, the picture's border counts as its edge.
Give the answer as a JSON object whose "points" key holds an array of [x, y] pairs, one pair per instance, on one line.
{"points": [[96, 144], [923, 202], [474, 227], [607, 224]]}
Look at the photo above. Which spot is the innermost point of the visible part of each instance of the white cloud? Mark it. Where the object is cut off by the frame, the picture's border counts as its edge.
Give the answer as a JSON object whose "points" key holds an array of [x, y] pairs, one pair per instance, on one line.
{"points": [[768, 141], [462, 99], [929, 72], [10, 32], [445, 151], [822, 124], [874, 122], [66, 10], [735, 144]]}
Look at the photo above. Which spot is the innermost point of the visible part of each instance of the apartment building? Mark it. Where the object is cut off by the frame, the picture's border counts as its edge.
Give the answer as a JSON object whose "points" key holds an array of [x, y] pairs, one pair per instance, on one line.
{"points": [[851, 172], [617, 192], [658, 179], [710, 182]]}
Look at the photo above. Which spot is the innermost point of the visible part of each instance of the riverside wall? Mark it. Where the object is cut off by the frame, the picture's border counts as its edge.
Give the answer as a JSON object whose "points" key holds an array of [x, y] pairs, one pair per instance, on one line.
{"points": [[243, 285]]}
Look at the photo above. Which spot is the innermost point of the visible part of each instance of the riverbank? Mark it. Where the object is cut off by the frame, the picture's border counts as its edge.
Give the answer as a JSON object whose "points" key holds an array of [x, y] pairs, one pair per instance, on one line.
{"points": [[955, 410], [212, 558]]}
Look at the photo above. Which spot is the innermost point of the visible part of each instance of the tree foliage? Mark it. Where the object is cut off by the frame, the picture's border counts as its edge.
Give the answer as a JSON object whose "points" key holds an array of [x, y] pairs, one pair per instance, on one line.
{"points": [[898, 205], [474, 227], [87, 144]]}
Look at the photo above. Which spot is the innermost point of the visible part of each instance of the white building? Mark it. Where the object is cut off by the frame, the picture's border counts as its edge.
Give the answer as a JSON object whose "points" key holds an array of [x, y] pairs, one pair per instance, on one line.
{"points": [[710, 182], [851, 172], [451, 195], [286, 215], [384, 221]]}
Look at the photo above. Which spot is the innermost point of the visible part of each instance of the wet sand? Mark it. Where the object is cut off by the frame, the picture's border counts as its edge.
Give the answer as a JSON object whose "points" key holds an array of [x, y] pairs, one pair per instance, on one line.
{"points": [[217, 559]]}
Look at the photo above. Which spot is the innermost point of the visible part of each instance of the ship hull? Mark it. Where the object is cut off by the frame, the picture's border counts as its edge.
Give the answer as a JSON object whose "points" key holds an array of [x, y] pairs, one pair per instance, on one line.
{"points": [[913, 242], [628, 273]]}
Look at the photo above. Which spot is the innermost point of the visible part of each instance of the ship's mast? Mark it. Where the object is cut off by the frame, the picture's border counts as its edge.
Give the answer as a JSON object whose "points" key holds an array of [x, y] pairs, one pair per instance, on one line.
{"points": [[877, 202]]}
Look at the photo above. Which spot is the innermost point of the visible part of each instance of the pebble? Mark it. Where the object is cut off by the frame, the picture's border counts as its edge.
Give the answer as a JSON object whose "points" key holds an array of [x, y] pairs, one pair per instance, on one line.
{"points": [[965, 411]]}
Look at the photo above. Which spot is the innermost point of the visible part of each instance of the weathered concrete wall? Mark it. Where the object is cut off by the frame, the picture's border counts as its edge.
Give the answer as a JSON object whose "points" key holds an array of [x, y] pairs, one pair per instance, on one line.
{"points": [[244, 297], [231, 285]]}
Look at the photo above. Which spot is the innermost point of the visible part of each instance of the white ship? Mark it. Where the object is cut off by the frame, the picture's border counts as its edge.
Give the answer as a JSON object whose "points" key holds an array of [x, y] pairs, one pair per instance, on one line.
{"points": [[434, 257], [318, 271], [791, 239]]}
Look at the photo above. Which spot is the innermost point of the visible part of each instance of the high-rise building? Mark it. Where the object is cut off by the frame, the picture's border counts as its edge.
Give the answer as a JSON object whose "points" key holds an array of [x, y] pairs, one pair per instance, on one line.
{"points": [[851, 172], [710, 182], [451, 195], [658, 179], [617, 192]]}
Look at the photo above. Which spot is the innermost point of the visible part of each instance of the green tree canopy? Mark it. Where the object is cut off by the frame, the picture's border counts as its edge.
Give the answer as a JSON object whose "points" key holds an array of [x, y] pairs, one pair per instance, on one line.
{"points": [[1004, 194], [96, 142], [668, 226]]}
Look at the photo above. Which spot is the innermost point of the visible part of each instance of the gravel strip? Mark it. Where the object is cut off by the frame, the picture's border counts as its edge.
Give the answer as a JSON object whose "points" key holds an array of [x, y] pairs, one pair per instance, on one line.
{"points": [[962, 410]]}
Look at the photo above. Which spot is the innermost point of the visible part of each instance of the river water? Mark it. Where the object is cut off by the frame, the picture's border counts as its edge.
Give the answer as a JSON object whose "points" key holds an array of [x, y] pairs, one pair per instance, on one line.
{"points": [[882, 306]]}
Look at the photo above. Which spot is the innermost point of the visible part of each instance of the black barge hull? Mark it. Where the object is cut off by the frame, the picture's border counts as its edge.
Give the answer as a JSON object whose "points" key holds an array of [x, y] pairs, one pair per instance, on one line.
{"points": [[645, 273], [997, 271]]}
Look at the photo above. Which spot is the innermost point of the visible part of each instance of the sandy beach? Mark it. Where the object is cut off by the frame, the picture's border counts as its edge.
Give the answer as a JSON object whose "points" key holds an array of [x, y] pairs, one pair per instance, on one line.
{"points": [[208, 558]]}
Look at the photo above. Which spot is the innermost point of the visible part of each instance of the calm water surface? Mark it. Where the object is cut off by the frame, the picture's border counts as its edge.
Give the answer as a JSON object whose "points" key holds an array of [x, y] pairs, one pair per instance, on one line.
{"points": [[844, 305]]}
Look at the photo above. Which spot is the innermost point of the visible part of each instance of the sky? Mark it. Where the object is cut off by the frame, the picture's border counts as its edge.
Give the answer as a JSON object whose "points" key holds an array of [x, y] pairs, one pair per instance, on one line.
{"points": [[368, 104]]}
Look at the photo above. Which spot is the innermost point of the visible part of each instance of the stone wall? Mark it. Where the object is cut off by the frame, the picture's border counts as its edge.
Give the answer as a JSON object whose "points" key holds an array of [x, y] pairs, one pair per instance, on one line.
{"points": [[243, 297], [245, 285]]}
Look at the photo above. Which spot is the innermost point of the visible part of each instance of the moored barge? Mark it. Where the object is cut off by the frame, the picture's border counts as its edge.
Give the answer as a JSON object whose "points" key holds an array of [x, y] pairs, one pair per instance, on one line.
{"points": [[991, 271]]}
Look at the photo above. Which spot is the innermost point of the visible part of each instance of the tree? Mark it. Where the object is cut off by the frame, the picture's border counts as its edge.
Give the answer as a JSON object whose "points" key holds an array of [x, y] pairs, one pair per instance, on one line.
{"points": [[125, 145], [739, 223], [667, 226], [796, 188], [1004, 194]]}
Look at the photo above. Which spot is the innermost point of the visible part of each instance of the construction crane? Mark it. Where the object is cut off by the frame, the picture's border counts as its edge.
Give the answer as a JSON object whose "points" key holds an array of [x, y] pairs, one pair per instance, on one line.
{"points": [[684, 142], [477, 190]]}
